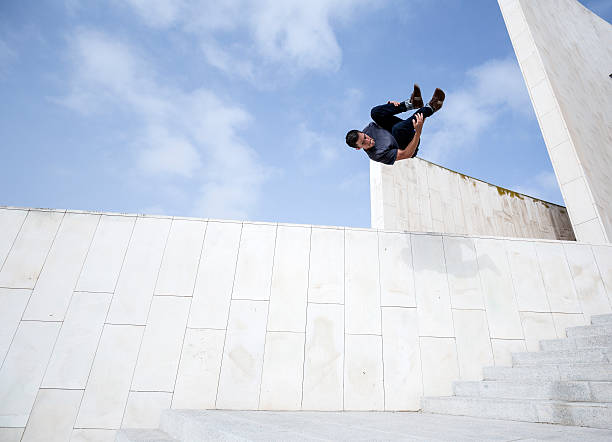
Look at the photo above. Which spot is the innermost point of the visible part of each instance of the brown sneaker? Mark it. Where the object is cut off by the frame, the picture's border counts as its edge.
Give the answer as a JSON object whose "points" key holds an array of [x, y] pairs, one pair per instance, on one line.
{"points": [[437, 100], [416, 100]]}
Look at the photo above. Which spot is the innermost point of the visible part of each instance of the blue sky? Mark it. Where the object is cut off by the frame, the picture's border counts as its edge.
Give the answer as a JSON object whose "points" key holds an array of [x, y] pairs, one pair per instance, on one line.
{"points": [[238, 109]]}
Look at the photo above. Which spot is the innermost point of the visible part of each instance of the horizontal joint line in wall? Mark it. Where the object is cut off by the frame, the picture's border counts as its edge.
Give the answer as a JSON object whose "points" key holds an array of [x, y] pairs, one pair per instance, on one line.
{"points": [[17, 288], [175, 296], [43, 320], [94, 291], [325, 303], [62, 388]]}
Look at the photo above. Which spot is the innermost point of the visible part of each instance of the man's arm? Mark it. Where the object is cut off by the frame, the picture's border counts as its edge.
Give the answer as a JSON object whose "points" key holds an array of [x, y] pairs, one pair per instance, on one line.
{"points": [[409, 150]]}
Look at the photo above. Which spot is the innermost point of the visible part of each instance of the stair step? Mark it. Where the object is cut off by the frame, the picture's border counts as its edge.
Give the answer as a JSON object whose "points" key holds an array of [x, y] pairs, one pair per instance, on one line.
{"points": [[551, 372], [589, 330], [587, 414], [601, 319], [571, 391], [582, 355], [573, 343], [137, 435]]}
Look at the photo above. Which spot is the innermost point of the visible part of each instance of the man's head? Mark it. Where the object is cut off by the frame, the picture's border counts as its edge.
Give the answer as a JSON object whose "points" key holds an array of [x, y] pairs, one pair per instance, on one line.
{"points": [[359, 140]]}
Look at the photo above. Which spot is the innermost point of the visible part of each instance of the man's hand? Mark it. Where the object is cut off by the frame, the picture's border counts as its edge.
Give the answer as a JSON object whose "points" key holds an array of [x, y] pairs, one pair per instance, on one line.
{"points": [[418, 123], [394, 103]]}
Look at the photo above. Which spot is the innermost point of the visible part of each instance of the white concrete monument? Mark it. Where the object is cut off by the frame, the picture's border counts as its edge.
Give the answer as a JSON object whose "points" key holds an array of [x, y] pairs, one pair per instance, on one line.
{"points": [[565, 54]]}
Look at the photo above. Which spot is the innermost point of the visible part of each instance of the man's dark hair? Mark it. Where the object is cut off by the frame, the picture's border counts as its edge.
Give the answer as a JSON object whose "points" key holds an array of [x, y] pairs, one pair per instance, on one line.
{"points": [[351, 137]]}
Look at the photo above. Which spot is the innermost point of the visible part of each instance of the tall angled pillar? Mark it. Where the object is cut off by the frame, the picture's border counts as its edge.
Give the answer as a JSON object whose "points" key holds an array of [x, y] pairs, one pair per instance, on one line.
{"points": [[565, 54]]}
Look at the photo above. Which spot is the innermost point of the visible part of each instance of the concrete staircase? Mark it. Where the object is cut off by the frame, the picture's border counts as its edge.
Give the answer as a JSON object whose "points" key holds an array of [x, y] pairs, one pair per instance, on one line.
{"points": [[568, 382]]}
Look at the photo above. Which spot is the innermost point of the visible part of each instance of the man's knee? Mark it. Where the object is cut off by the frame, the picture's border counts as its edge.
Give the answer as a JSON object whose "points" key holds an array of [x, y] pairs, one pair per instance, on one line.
{"points": [[377, 112]]}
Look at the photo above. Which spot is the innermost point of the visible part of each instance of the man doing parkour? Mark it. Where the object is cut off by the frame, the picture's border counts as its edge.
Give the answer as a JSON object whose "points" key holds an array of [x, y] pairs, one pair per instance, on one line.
{"points": [[388, 138]]}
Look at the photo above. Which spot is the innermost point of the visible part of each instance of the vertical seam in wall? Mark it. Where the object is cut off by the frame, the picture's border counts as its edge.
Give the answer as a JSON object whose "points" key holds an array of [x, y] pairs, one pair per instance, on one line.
{"points": [[263, 357], [127, 248], [603, 282], [14, 240], [569, 268], [104, 325], [416, 303], [535, 249], [514, 293], [343, 312], [382, 339], [31, 290], [64, 320], [161, 263], [228, 313], [484, 302], [306, 318], [450, 303], [178, 366]]}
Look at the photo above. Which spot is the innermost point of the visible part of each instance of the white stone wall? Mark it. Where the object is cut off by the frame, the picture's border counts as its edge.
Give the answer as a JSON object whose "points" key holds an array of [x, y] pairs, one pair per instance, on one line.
{"points": [[565, 53], [107, 319], [420, 196]]}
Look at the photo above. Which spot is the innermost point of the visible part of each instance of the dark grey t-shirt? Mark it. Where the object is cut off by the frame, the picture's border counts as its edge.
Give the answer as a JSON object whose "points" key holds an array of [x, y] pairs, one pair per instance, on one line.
{"points": [[385, 147]]}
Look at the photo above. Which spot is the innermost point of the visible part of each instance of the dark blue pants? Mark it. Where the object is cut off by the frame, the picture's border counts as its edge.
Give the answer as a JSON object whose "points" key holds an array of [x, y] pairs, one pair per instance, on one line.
{"points": [[402, 130]]}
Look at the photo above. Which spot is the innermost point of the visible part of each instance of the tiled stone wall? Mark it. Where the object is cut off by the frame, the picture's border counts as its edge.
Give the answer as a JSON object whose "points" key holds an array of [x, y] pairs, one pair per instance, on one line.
{"points": [[107, 319], [420, 196], [564, 51]]}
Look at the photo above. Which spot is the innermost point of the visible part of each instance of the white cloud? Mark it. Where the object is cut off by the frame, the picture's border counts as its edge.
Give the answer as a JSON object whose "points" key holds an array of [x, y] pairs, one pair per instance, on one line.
{"points": [[491, 89], [175, 133], [315, 150], [266, 34]]}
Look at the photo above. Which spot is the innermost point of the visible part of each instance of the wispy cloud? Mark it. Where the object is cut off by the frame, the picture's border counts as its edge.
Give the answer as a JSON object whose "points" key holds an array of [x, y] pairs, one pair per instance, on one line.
{"points": [[543, 186], [491, 89], [265, 35], [175, 133]]}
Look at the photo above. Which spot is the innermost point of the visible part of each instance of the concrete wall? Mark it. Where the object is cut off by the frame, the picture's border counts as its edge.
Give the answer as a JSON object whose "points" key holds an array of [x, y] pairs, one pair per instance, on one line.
{"points": [[420, 196], [565, 53], [107, 319]]}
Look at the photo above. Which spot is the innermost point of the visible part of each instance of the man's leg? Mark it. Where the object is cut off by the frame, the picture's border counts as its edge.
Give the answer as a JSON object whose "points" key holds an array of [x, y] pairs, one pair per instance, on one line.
{"points": [[403, 130], [384, 115]]}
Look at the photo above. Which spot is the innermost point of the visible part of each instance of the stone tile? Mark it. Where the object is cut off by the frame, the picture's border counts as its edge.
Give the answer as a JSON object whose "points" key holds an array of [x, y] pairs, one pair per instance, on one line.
{"points": [[401, 359], [473, 344], [242, 362], [603, 258], [13, 302], [543, 98], [213, 288], [526, 276], [362, 297], [432, 293], [255, 261], [537, 327], [281, 382], [106, 253], [51, 296], [326, 278], [587, 280], [567, 166], [23, 370], [199, 368], [503, 349], [181, 258], [109, 382], [160, 351], [363, 373], [502, 311], [463, 276], [557, 278], [290, 280], [53, 415], [78, 339], [139, 273], [523, 45], [439, 362], [553, 128], [10, 224], [144, 409], [533, 71], [324, 357], [85, 435], [563, 321], [25, 260], [590, 232], [396, 271], [578, 200], [11, 434]]}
